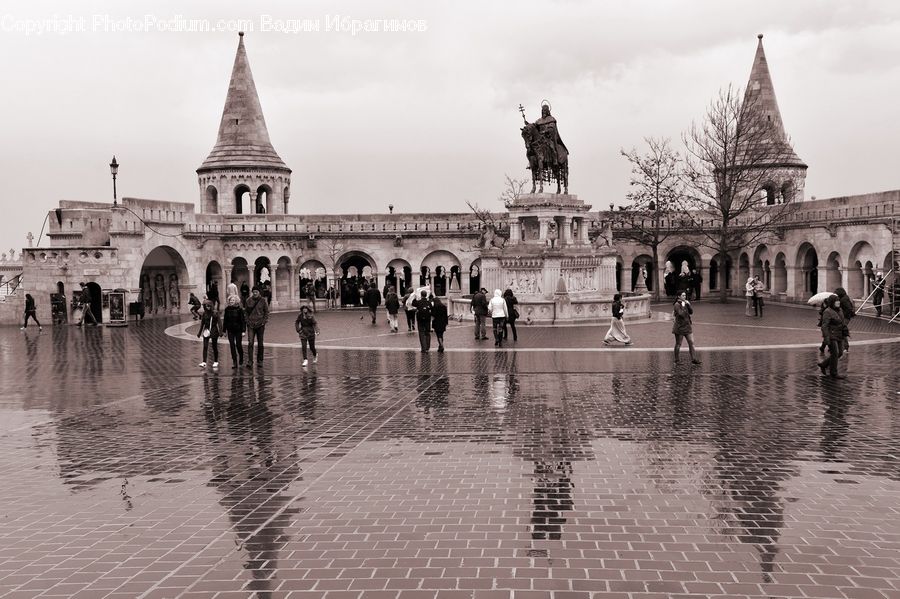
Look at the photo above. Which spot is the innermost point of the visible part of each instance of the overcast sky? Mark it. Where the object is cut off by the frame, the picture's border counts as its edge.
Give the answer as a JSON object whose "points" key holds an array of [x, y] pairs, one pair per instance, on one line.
{"points": [[427, 120]]}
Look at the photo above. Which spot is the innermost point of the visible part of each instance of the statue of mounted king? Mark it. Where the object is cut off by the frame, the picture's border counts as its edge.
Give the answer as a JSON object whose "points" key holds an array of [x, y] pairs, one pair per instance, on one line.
{"points": [[548, 156]]}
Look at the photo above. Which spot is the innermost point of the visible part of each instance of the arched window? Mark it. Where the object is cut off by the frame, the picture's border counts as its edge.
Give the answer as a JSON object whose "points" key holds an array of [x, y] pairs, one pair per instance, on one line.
{"points": [[242, 199]]}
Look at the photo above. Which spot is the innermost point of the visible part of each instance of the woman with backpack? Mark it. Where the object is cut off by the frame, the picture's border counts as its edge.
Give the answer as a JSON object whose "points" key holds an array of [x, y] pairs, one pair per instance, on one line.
{"points": [[307, 327], [392, 305], [511, 303], [409, 305]]}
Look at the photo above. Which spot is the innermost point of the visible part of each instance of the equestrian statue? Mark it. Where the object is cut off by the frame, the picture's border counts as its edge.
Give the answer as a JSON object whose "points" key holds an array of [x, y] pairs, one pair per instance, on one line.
{"points": [[548, 156]]}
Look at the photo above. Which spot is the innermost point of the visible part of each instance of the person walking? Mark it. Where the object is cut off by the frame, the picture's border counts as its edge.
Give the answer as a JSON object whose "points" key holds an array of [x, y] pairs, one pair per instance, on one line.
{"points": [[212, 294], [479, 307], [232, 289], [878, 293], [31, 312], [409, 306], [194, 303], [616, 330], [257, 317], [86, 305], [372, 299], [848, 311], [235, 325], [311, 296], [750, 292], [758, 302], [307, 328], [832, 336], [439, 321], [682, 327], [210, 331], [499, 313], [511, 303], [392, 305], [697, 278], [423, 320]]}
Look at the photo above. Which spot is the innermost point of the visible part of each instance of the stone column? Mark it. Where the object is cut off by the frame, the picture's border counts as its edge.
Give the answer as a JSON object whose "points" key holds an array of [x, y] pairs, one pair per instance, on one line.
{"points": [[515, 231], [542, 234], [583, 231], [226, 271], [273, 275], [293, 288], [490, 273], [791, 282], [565, 236]]}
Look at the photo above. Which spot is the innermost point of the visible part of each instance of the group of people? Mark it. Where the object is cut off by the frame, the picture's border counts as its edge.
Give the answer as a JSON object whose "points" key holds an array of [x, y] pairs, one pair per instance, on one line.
{"points": [[753, 290], [688, 281], [239, 317], [834, 321], [501, 309], [682, 325]]}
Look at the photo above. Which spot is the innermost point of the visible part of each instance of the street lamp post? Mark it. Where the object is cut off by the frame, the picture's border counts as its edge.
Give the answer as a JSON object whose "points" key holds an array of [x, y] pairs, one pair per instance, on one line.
{"points": [[114, 169]]}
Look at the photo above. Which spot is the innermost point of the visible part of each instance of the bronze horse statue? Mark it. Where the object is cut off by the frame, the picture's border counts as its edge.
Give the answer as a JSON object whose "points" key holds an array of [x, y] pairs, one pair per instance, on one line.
{"points": [[545, 160]]}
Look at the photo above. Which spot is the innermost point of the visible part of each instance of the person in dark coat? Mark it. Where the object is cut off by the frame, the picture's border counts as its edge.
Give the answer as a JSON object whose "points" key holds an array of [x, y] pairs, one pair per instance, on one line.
{"points": [[682, 327], [307, 327], [392, 305], [878, 293], [210, 331], [833, 326], [439, 321], [848, 310], [479, 307], [235, 325], [194, 303], [257, 316], [511, 303], [423, 320], [698, 281], [372, 299], [31, 312], [213, 294], [245, 293], [86, 305]]}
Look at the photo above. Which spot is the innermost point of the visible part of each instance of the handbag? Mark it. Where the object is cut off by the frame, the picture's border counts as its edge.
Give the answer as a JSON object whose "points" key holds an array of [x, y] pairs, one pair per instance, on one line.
{"points": [[206, 333]]}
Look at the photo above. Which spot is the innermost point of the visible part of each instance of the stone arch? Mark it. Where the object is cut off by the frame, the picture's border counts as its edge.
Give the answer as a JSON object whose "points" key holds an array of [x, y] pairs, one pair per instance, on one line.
{"points": [[155, 279], [285, 196], [211, 200], [762, 265], [399, 275], [678, 255], [833, 271], [354, 266], [637, 284], [807, 265], [282, 279], [313, 272], [779, 274], [769, 193], [264, 200], [860, 269], [787, 192], [240, 272], [743, 268], [242, 199], [214, 274], [719, 275], [438, 264], [475, 276]]}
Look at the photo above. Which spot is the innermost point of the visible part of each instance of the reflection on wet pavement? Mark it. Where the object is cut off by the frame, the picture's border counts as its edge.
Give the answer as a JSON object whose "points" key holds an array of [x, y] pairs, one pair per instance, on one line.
{"points": [[125, 471]]}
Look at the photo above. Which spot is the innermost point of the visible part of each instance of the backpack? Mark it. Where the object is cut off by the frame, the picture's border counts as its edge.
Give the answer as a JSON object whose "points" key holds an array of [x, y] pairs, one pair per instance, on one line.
{"points": [[423, 311]]}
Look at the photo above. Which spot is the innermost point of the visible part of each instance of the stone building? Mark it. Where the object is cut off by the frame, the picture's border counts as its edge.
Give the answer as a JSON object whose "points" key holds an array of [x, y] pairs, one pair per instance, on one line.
{"points": [[160, 251]]}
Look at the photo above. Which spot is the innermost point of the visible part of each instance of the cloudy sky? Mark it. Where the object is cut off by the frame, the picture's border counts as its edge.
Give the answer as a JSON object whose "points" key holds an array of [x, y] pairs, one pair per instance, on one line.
{"points": [[426, 120]]}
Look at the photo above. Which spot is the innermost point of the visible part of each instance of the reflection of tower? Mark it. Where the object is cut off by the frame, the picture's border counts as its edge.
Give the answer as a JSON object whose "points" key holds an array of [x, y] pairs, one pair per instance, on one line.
{"points": [[750, 465], [250, 475], [552, 496]]}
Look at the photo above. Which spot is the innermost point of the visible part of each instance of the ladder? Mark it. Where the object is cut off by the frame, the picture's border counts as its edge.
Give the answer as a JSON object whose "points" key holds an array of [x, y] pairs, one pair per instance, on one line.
{"points": [[895, 258]]}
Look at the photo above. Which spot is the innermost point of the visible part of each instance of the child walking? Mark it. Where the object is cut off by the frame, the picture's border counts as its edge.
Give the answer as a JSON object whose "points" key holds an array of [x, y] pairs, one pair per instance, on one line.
{"points": [[307, 328]]}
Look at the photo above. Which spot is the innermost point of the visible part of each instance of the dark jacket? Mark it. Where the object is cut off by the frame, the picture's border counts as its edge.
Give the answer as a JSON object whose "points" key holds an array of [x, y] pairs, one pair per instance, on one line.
{"points": [[213, 293], [511, 301], [423, 313], [235, 319], [306, 326], [245, 290], [832, 325], [392, 303], [847, 306], [681, 324], [439, 317], [211, 320], [372, 298], [479, 304], [85, 296], [618, 310], [257, 312], [29, 304]]}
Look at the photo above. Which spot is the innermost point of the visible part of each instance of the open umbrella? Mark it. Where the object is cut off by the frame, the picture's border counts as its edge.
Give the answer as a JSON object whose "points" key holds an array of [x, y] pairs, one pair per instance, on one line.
{"points": [[819, 298]]}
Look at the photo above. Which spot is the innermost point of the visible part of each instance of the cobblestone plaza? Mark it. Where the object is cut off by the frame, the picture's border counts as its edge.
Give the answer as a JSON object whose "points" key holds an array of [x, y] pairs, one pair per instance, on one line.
{"points": [[522, 473]]}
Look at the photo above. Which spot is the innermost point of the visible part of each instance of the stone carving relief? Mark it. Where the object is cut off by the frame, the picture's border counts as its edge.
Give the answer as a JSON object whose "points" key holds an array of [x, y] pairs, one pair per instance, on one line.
{"points": [[525, 282], [580, 279]]}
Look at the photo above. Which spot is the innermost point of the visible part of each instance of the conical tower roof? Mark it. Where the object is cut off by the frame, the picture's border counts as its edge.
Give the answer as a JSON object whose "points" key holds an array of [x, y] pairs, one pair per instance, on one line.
{"points": [[761, 91], [243, 140]]}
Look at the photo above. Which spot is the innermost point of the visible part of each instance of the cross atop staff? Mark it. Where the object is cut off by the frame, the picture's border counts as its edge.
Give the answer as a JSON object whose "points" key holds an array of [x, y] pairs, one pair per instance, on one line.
{"points": [[522, 110]]}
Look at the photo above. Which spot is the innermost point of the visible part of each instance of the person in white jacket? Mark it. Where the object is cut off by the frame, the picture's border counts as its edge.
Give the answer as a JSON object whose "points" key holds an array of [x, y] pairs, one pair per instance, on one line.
{"points": [[499, 313]]}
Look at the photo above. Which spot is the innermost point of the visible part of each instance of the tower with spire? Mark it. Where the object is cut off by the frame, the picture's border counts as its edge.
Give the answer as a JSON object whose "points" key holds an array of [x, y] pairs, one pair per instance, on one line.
{"points": [[788, 172], [243, 173]]}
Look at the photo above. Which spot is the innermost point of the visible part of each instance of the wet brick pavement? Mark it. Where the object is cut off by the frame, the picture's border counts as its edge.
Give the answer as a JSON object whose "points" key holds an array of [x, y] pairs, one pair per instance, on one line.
{"points": [[126, 471]]}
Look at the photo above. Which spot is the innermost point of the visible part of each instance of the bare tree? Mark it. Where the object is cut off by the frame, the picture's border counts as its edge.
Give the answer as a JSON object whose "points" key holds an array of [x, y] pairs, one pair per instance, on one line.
{"points": [[514, 188], [334, 249], [656, 192], [731, 156]]}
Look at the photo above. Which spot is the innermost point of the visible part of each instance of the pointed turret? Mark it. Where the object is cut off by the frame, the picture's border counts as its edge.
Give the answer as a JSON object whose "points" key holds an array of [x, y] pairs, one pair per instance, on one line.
{"points": [[791, 170], [243, 160]]}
